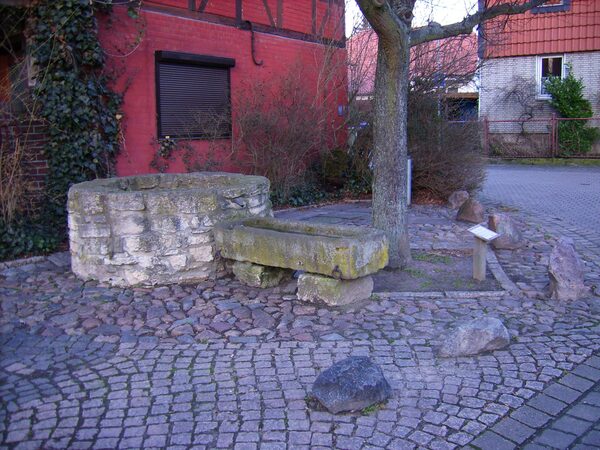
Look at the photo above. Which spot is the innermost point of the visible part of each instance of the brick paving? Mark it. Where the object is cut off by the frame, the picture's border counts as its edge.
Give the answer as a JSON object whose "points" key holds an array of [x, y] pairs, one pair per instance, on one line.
{"points": [[567, 195], [220, 365]]}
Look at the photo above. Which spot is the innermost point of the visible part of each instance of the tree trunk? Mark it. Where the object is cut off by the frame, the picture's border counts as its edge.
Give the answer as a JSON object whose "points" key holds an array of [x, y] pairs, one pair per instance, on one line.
{"points": [[390, 148]]}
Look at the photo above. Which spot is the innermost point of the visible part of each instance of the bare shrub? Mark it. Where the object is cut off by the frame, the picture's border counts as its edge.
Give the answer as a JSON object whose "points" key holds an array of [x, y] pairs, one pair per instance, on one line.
{"points": [[279, 130], [446, 156], [14, 186]]}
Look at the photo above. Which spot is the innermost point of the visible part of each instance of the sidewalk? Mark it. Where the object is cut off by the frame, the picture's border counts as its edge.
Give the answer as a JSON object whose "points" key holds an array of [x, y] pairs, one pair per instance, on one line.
{"points": [[220, 365]]}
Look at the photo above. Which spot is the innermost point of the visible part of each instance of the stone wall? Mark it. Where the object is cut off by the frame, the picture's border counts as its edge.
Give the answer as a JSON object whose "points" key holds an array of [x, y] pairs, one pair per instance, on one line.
{"points": [[157, 229]]}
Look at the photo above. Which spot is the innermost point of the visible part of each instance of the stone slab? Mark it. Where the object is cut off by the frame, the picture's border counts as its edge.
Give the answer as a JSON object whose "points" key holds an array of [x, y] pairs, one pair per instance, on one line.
{"points": [[342, 252]]}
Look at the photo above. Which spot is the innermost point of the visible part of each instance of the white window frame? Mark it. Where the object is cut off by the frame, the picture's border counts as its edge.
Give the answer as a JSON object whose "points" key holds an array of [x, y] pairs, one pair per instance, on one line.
{"points": [[538, 73], [560, 3]]}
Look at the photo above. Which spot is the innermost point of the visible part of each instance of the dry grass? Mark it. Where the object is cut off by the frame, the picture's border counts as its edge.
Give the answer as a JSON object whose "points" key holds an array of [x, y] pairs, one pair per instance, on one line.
{"points": [[13, 185]]}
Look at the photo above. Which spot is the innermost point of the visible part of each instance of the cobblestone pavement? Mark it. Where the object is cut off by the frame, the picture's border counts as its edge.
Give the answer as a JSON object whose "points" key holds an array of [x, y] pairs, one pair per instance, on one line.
{"points": [[570, 195], [220, 365]]}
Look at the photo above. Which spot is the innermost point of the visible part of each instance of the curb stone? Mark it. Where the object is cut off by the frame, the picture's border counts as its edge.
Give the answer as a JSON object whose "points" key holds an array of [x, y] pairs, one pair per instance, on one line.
{"points": [[22, 262]]}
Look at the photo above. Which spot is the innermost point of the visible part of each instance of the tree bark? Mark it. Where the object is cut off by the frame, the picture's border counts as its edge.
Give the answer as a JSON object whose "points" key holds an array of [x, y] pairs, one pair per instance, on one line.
{"points": [[390, 144], [391, 20]]}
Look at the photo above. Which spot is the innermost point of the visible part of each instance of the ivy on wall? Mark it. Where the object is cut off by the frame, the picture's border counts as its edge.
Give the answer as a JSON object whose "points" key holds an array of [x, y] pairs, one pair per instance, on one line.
{"points": [[81, 113], [73, 97]]}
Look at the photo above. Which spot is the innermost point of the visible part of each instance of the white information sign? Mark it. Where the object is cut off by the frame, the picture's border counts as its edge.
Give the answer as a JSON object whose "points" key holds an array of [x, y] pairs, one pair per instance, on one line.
{"points": [[483, 233]]}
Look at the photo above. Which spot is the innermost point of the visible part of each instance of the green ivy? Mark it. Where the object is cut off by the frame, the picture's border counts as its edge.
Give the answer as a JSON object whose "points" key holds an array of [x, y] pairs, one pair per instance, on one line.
{"points": [[574, 136], [73, 97], [23, 237]]}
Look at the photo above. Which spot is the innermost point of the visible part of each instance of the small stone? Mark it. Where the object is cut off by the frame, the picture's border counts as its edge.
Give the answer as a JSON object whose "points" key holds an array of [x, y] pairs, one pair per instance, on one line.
{"points": [[90, 323], [510, 237], [263, 319], [351, 384], [457, 198], [182, 330], [155, 312], [64, 319], [334, 292], [566, 272], [476, 336], [471, 211], [255, 275], [107, 330]]}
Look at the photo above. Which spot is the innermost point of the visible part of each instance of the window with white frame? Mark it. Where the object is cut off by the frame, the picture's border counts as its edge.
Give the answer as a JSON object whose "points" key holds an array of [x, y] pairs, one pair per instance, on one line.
{"points": [[548, 66], [552, 6]]}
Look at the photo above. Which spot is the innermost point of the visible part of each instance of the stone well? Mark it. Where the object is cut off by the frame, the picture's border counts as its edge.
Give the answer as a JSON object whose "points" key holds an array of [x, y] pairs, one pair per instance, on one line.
{"points": [[157, 229]]}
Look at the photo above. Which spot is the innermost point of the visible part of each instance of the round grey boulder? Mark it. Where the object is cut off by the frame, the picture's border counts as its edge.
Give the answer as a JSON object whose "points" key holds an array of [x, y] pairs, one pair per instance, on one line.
{"points": [[352, 384], [476, 336]]}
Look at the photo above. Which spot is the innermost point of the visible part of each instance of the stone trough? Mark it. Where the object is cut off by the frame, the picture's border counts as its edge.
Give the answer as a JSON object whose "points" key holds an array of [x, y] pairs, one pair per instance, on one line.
{"points": [[157, 229], [337, 261]]}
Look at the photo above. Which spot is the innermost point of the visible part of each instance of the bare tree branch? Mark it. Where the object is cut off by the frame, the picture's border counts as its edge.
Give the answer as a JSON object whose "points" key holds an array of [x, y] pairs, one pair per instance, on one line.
{"points": [[435, 31], [384, 19]]}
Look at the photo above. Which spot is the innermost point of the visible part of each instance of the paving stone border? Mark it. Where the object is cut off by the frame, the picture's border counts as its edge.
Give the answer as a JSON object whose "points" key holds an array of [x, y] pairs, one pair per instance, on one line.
{"points": [[21, 262], [566, 414]]}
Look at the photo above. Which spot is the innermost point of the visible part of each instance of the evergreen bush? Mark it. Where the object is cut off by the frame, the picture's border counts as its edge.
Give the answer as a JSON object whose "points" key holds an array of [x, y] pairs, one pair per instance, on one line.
{"points": [[574, 136]]}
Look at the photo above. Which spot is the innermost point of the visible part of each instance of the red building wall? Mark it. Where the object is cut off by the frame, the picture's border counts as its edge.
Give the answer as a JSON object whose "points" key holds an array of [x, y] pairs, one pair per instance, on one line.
{"points": [[169, 25]]}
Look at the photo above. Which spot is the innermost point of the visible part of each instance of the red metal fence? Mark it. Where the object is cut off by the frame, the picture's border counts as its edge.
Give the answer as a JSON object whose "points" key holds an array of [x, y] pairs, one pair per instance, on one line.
{"points": [[549, 137]]}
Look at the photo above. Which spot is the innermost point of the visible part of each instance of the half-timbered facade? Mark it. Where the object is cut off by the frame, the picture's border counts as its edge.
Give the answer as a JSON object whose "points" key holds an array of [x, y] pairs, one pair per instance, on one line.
{"points": [[185, 61]]}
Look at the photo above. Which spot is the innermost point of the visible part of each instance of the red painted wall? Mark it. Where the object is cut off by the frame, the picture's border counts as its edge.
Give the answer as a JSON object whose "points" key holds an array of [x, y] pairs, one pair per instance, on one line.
{"points": [[170, 30]]}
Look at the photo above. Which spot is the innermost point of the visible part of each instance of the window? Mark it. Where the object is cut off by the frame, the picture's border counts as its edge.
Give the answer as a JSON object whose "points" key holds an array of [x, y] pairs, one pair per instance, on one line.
{"points": [[548, 66], [551, 6], [192, 95]]}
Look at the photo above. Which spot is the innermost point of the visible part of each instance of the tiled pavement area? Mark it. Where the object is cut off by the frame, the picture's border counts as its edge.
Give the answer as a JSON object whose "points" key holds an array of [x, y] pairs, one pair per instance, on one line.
{"points": [[565, 194], [222, 366]]}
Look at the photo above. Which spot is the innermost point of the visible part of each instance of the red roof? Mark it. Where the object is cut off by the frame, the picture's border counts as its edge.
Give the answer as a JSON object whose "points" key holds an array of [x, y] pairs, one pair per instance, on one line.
{"points": [[453, 57], [576, 29]]}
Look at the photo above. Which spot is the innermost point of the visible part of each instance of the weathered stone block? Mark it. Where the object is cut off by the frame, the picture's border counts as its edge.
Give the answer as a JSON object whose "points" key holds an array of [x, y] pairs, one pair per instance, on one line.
{"points": [[90, 230], [471, 211], [566, 272], [336, 251], [256, 275], [317, 288], [129, 224], [510, 237], [117, 202], [155, 229], [457, 198], [201, 253]]}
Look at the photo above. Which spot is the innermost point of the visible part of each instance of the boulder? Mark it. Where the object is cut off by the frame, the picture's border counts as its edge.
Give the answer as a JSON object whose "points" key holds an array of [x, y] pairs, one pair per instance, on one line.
{"points": [[259, 276], [333, 292], [476, 336], [566, 272], [457, 198], [470, 211], [510, 237], [352, 384]]}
